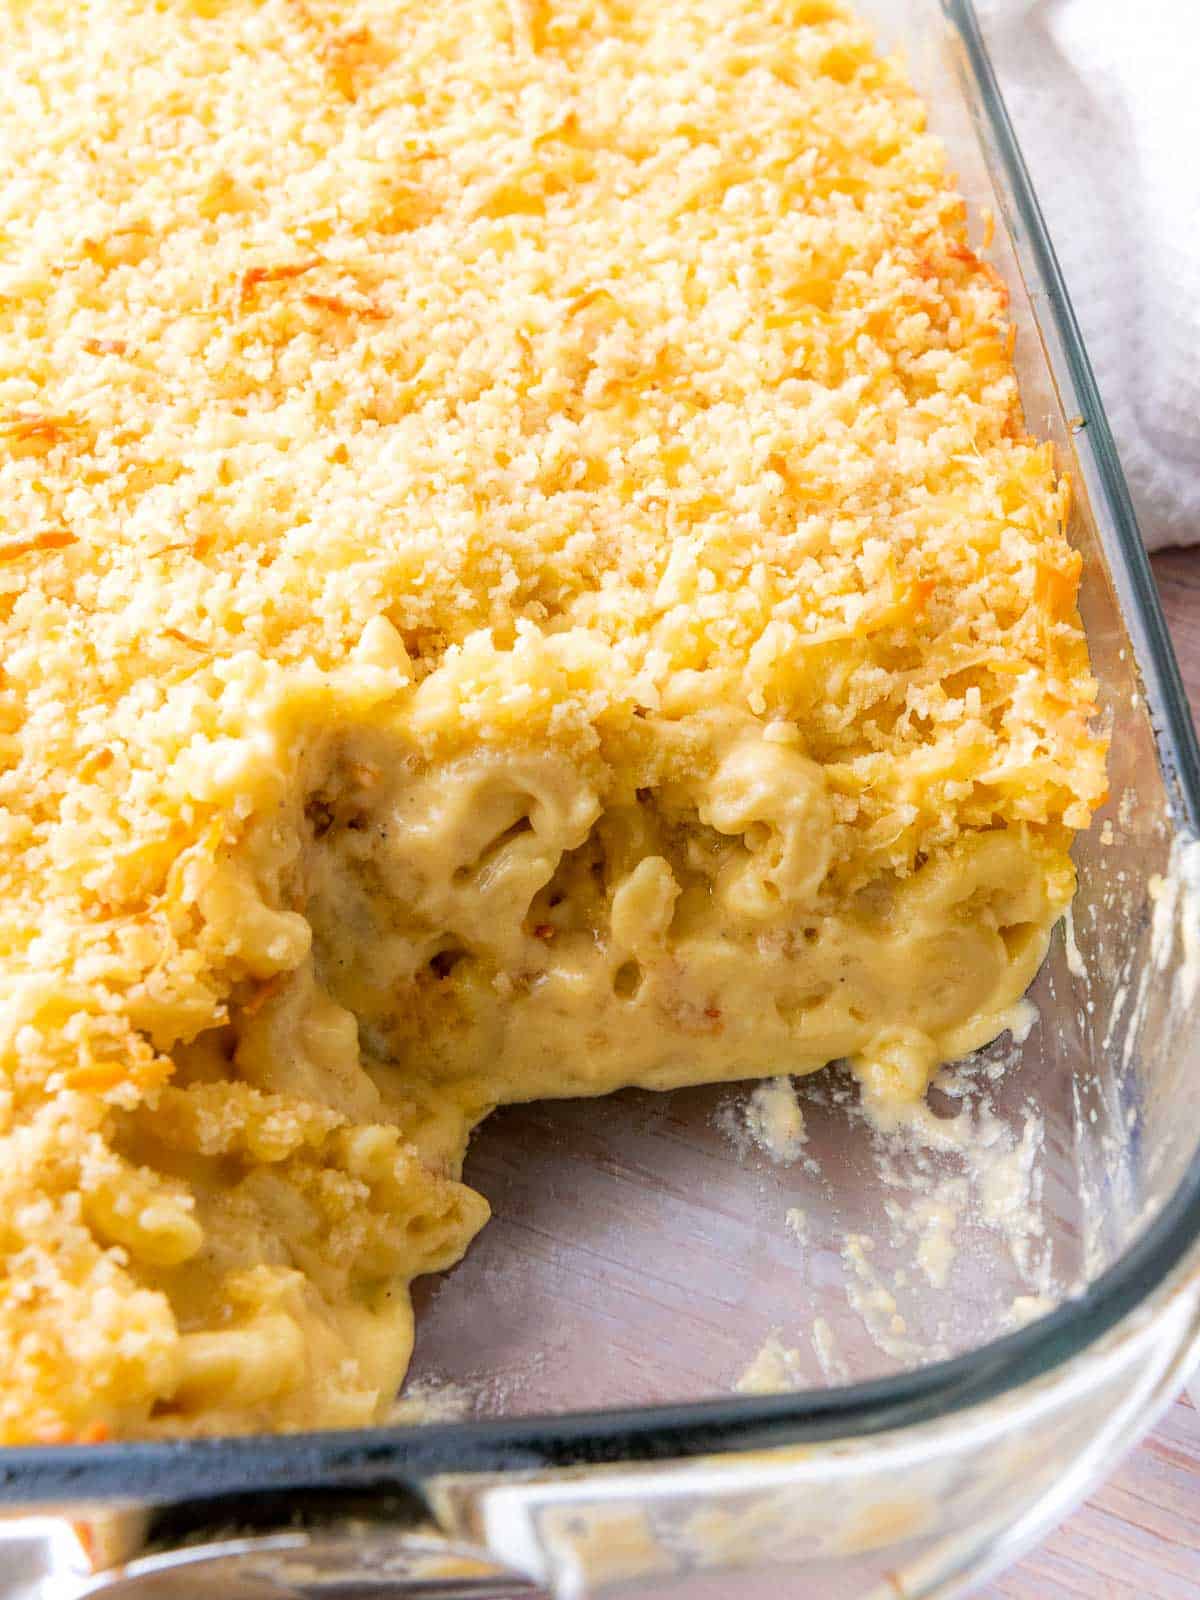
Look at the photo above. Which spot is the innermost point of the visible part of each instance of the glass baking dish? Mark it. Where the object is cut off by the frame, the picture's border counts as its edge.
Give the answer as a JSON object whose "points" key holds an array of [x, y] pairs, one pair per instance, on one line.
{"points": [[966, 1332]]}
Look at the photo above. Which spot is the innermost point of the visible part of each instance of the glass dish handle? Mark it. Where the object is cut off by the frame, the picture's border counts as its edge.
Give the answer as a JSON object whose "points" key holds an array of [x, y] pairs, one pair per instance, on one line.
{"points": [[371, 1559]]}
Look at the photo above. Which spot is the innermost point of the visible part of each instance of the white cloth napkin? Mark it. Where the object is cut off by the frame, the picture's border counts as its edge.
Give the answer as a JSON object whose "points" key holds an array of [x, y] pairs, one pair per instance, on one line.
{"points": [[1105, 98]]}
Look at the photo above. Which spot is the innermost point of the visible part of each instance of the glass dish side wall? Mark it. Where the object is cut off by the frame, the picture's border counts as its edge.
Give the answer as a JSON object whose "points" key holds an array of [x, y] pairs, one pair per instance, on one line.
{"points": [[1128, 991]]}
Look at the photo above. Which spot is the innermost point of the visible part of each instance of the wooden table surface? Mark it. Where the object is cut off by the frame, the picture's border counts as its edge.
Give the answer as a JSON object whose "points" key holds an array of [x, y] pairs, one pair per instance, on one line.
{"points": [[1140, 1534]]}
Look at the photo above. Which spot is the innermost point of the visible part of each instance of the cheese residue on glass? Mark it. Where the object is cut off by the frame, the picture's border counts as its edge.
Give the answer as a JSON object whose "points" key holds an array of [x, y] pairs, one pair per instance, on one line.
{"points": [[521, 572]]}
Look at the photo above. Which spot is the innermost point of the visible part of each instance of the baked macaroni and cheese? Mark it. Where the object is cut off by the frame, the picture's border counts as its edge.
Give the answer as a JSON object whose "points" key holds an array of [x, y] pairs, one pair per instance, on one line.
{"points": [[521, 572]]}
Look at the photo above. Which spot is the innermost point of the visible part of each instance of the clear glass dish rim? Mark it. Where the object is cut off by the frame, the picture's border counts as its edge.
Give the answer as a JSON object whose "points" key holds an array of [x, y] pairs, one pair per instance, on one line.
{"points": [[152, 1472]]}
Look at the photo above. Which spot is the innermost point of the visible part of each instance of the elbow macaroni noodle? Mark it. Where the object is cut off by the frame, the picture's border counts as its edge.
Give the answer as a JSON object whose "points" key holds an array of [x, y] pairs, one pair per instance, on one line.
{"points": [[521, 573]]}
